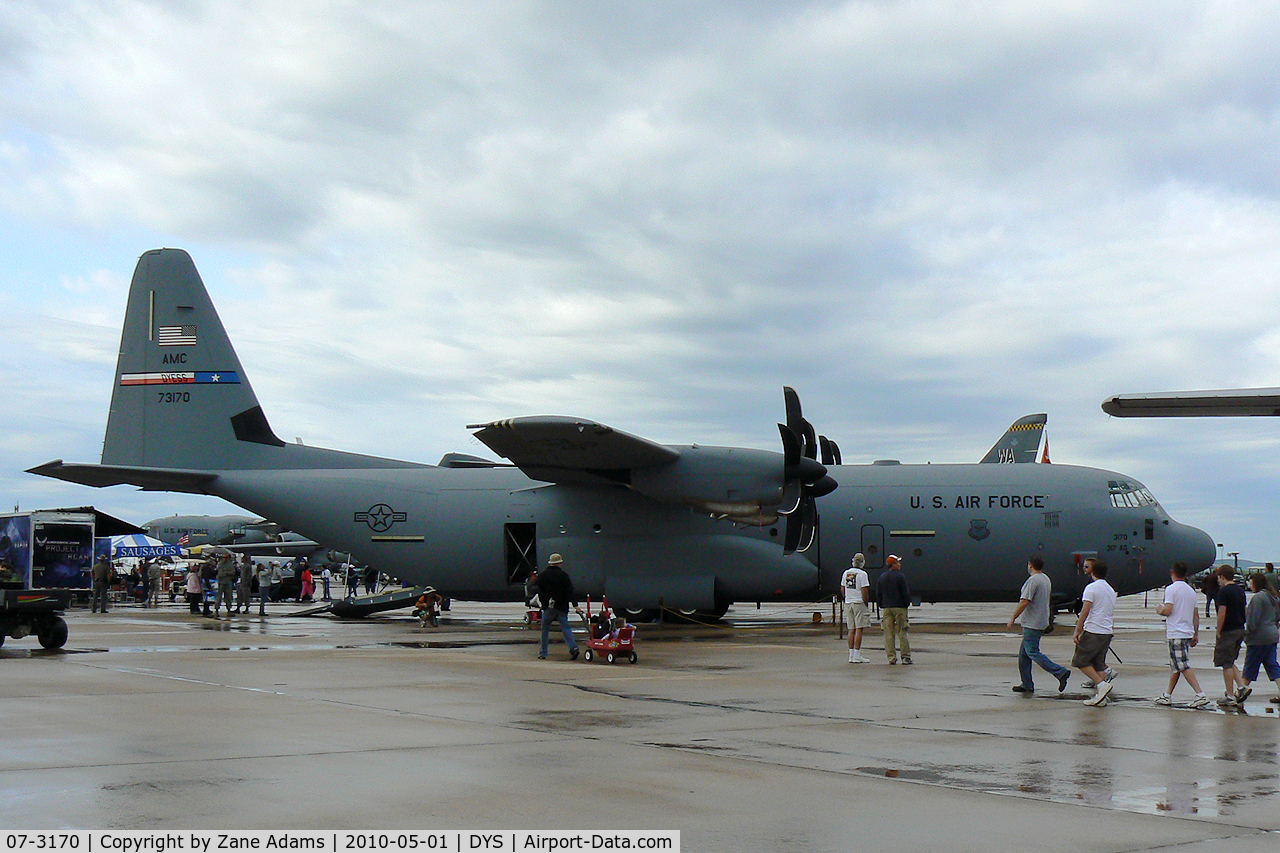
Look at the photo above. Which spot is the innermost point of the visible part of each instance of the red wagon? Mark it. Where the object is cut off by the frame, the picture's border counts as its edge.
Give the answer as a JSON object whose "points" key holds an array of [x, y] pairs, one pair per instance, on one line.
{"points": [[609, 636]]}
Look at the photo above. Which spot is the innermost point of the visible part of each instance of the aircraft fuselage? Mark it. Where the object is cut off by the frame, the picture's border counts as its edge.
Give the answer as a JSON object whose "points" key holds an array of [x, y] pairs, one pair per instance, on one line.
{"points": [[964, 531]]}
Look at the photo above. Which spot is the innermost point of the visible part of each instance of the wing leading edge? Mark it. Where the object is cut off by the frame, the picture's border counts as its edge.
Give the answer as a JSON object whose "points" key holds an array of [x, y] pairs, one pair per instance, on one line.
{"points": [[1255, 402]]}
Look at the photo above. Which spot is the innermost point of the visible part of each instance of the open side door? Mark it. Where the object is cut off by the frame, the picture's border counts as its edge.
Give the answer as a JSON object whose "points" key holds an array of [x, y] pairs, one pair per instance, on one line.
{"points": [[520, 549]]}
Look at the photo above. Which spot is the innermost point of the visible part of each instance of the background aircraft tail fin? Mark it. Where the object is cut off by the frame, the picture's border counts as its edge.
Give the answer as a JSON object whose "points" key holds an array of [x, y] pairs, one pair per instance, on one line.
{"points": [[1021, 441], [180, 398]]}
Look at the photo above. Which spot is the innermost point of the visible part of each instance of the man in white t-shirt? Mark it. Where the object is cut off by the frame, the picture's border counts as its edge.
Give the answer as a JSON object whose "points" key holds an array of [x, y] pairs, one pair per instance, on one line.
{"points": [[1181, 610], [857, 592], [1093, 629]]}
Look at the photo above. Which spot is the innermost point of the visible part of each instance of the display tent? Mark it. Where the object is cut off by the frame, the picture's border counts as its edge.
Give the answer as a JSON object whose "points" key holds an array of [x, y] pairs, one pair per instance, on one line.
{"points": [[141, 545]]}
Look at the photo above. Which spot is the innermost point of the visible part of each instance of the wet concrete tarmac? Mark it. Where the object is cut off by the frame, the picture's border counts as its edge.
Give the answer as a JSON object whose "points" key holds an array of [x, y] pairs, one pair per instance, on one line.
{"points": [[752, 735]]}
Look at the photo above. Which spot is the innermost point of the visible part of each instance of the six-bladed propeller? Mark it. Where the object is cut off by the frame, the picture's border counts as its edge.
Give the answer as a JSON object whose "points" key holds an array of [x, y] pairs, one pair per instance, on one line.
{"points": [[804, 478]]}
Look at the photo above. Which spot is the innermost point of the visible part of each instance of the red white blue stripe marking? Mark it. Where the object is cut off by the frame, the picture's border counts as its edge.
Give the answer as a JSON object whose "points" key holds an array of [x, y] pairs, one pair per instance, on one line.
{"points": [[220, 377]]}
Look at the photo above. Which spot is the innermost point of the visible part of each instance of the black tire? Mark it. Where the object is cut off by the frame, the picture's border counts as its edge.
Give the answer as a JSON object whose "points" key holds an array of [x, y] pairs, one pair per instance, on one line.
{"points": [[717, 612], [639, 616], [588, 655], [52, 633], [633, 657], [609, 657], [698, 617]]}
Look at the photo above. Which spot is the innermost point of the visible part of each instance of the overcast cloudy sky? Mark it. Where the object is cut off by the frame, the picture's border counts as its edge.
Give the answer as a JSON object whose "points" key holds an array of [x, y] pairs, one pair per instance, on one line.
{"points": [[929, 217]]}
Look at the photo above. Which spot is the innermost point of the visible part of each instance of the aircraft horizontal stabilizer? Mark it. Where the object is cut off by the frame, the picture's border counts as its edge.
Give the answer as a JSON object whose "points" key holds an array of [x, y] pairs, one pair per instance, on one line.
{"points": [[147, 479], [286, 548]]}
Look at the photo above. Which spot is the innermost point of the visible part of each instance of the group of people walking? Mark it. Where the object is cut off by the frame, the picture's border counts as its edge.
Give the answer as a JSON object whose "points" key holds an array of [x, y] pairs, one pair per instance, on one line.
{"points": [[1253, 623], [1092, 635], [1256, 625]]}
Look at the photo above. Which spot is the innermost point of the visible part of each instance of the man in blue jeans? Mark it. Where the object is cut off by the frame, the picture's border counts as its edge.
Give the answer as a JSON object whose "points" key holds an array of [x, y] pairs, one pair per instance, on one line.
{"points": [[555, 590], [1033, 607]]}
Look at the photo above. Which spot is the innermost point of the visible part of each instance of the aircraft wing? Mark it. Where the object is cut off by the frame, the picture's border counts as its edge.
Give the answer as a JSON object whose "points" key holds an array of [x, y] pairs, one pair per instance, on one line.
{"points": [[1186, 404], [559, 449], [287, 548], [147, 479]]}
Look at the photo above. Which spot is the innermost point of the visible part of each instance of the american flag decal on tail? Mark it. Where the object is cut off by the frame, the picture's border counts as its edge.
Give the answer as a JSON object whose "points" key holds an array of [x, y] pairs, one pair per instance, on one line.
{"points": [[176, 336]]}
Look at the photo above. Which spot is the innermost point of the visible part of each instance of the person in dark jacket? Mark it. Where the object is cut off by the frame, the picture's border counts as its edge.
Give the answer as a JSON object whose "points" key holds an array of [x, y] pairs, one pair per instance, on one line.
{"points": [[555, 593], [894, 597]]}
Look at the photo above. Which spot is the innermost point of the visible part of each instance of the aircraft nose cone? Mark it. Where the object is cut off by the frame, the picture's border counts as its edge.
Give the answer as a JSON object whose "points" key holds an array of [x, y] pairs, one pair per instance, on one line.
{"points": [[1198, 548]]}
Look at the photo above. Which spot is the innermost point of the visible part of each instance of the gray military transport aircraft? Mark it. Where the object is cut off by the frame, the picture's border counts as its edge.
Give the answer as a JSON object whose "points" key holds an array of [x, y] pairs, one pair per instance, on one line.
{"points": [[193, 531], [684, 527], [240, 534]]}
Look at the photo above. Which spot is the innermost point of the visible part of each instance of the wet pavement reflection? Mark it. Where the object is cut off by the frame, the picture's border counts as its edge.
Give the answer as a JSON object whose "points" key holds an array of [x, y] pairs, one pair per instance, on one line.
{"points": [[757, 716]]}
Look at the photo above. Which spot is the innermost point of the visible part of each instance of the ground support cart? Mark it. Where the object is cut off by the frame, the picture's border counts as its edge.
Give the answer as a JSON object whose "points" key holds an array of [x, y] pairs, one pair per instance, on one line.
{"points": [[35, 611]]}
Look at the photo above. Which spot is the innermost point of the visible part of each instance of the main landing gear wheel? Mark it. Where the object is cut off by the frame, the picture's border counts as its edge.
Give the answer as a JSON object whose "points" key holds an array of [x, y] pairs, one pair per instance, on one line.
{"points": [[53, 633], [639, 615]]}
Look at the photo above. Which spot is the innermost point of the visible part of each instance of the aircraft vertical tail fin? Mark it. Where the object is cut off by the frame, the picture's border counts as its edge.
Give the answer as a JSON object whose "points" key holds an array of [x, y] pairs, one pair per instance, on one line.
{"points": [[1021, 441], [180, 398]]}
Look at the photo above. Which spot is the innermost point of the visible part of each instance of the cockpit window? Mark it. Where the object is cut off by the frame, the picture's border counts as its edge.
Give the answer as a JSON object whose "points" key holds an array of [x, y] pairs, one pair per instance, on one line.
{"points": [[1124, 493]]}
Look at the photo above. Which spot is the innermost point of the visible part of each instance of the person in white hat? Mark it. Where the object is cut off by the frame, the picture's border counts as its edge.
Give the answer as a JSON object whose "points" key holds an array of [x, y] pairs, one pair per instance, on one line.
{"points": [[857, 592], [555, 591]]}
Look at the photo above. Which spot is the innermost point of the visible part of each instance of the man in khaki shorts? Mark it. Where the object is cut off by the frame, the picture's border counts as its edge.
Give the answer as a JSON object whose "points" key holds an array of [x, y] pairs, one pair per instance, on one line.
{"points": [[857, 592]]}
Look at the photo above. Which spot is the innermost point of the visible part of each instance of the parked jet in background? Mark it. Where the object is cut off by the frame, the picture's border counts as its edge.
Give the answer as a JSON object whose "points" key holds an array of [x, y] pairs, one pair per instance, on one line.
{"points": [[192, 531], [241, 534], [688, 527]]}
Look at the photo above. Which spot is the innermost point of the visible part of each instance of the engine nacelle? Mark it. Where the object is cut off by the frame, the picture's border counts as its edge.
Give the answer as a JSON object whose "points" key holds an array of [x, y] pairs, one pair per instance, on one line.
{"points": [[736, 482]]}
